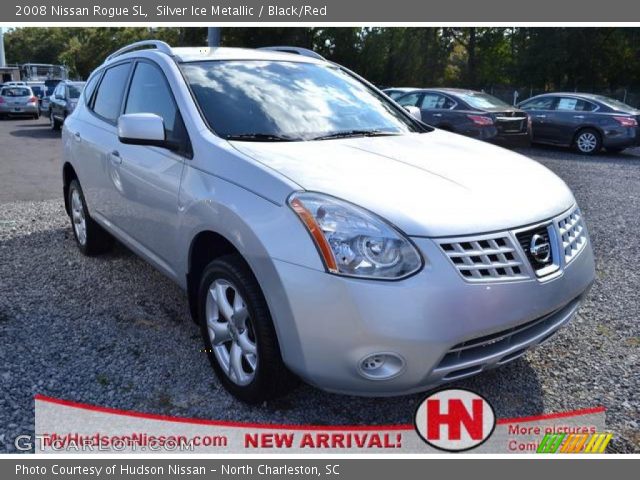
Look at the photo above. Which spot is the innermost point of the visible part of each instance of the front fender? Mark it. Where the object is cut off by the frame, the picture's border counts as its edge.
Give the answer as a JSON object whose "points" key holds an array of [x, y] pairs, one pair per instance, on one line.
{"points": [[261, 230]]}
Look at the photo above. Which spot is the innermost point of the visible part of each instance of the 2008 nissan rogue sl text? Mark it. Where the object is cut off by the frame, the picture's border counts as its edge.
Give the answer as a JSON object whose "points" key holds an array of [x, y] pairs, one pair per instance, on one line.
{"points": [[320, 231]]}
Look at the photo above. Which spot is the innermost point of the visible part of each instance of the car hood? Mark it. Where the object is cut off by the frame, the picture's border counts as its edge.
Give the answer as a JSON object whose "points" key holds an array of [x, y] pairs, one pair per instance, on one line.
{"points": [[430, 184]]}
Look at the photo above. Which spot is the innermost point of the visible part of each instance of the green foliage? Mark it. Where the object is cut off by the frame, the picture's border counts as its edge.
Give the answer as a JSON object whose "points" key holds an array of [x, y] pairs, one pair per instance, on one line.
{"points": [[537, 58], [82, 49]]}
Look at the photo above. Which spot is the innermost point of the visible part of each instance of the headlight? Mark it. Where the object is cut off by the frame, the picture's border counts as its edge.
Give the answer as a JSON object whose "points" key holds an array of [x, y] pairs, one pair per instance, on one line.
{"points": [[353, 241]]}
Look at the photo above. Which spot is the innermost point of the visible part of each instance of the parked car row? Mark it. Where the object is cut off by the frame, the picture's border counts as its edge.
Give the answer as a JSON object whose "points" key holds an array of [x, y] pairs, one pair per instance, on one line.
{"points": [[27, 99], [585, 122]]}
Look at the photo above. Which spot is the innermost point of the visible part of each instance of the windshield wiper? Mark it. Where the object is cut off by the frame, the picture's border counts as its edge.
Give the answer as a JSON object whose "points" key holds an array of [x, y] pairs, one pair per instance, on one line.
{"points": [[354, 133], [260, 137]]}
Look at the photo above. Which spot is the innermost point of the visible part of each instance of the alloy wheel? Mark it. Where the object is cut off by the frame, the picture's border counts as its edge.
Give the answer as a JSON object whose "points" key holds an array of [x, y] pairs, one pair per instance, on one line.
{"points": [[231, 332], [587, 142]]}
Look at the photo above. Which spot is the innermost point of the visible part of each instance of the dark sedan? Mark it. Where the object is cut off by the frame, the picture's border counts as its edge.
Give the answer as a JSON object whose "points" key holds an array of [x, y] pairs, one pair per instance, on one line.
{"points": [[62, 102], [585, 122], [471, 113]]}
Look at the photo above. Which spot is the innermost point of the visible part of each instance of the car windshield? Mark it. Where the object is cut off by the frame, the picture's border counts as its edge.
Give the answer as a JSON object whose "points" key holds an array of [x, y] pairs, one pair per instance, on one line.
{"points": [[15, 92], [482, 100], [75, 90], [38, 90], [287, 100], [615, 104]]}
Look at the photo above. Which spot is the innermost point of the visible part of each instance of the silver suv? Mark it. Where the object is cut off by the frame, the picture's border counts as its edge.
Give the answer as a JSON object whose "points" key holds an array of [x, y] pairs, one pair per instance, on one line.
{"points": [[320, 231]]}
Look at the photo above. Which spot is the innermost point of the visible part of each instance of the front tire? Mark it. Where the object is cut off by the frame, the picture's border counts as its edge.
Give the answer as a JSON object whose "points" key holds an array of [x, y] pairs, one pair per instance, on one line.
{"points": [[588, 141], [90, 237], [238, 332]]}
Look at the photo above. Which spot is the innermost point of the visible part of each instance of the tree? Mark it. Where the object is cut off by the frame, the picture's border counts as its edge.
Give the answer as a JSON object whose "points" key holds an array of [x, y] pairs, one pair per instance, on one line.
{"points": [[558, 58]]}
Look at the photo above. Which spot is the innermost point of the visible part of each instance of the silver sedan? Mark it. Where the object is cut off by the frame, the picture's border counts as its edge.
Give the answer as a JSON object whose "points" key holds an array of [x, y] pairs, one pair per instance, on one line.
{"points": [[18, 100]]}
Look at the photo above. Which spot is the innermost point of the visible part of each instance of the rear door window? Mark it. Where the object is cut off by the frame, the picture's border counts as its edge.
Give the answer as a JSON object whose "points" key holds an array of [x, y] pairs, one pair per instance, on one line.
{"points": [[108, 100], [574, 105], [90, 87]]}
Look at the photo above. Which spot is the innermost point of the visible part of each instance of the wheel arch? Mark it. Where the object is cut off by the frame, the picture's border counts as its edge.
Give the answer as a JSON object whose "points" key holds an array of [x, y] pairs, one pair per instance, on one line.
{"points": [[211, 241], [587, 126], [206, 246]]}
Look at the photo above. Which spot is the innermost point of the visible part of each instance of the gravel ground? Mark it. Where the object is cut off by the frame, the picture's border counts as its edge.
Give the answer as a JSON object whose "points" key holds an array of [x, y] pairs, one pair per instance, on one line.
{"points": [[113, 331]]}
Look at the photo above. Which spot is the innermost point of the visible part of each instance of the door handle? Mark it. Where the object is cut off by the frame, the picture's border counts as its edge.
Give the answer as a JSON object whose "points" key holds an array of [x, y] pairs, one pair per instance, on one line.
{"points": [[437, 114], [541, 116], [116, 159], [578, 116]]}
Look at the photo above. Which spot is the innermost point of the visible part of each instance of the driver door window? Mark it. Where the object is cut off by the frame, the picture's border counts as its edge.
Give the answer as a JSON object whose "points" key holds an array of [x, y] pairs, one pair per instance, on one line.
{"points": [[545, 103], [150, 93]]}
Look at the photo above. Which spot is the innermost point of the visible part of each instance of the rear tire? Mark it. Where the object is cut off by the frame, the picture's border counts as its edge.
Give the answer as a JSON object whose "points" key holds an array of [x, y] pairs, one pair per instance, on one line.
{"points": [[588, 141], [238, 332], [53, 123], [90, 237]]}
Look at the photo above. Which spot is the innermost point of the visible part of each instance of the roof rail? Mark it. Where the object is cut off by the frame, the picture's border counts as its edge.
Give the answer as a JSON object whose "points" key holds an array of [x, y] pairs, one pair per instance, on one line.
{"points": [[157, 44], [305, 52]]}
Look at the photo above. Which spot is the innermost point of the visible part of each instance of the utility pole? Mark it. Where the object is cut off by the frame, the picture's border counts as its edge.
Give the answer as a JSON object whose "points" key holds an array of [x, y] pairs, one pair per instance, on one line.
{"points": [[213, 36], [3, 60]]}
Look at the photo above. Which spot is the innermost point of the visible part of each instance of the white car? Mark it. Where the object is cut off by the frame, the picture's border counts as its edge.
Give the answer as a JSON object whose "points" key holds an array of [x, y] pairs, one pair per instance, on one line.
{"points": [[319, 230]]}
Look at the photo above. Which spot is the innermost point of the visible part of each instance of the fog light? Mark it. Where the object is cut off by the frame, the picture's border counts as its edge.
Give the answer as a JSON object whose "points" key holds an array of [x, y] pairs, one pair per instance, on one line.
{"points": [[381, 366]]}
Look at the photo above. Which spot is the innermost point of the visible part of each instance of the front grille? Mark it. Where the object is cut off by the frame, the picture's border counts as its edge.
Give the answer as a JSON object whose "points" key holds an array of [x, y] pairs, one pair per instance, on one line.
{"points": [[508, 255], [475, 355], [524, 238], [486, 258], [572, 234]]}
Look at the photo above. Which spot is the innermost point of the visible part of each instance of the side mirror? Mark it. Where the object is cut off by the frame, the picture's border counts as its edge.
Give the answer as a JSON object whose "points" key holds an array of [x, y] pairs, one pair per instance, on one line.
{"points": [[414, 112], [143, 129]]}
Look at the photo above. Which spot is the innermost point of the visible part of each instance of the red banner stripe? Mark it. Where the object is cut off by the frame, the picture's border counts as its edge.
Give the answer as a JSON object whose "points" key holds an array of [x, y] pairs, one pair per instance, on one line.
{"points": [[224, 423]]}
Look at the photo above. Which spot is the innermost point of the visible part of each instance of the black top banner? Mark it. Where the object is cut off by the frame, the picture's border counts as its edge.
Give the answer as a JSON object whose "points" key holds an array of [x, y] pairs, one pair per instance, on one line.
{"points": [[317, 11]]}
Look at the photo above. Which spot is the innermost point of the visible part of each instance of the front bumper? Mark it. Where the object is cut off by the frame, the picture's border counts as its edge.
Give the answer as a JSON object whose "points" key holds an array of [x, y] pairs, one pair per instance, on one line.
{"points": [[332, 323]]}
